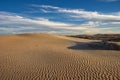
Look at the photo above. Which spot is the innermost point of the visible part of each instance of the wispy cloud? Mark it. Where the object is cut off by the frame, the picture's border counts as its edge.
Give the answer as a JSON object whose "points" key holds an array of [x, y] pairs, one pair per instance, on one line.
{"points": [[13, 23], [108, 0], [94, 22], [92, 19], [90, 15], [16, 19], [45, 6], [80, 13]]}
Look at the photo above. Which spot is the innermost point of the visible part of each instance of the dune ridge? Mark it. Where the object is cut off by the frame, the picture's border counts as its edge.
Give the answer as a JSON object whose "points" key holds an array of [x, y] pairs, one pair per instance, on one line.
{"points": [[47, 57]]}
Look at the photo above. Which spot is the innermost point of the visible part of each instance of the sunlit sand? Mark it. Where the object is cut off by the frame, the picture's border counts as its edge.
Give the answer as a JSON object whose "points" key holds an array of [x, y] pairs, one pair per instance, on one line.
{"points": [[53, 57]]}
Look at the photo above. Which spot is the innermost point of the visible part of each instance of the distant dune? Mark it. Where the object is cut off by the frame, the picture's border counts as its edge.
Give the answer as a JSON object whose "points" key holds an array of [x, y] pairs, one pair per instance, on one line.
{"points": [[53, 57]]}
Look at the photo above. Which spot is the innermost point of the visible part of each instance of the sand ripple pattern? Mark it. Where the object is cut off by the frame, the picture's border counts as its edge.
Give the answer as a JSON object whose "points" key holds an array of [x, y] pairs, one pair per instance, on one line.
{"points": [[46, 57]]}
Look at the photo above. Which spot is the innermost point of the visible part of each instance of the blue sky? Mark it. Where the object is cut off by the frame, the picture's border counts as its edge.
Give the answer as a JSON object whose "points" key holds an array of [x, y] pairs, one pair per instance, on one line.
{"points": [[59, 16]]}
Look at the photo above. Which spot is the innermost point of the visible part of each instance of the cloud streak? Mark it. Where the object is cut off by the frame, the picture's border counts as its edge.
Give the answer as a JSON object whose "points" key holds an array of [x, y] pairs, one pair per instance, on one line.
{"points": [[16, 19], [94, 22], [108, 0], [13, 23], [80, 13]]}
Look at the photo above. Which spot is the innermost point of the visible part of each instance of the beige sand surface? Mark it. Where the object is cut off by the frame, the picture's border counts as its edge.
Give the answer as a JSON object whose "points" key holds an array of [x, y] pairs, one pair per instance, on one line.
{"points": [[48, 57]]}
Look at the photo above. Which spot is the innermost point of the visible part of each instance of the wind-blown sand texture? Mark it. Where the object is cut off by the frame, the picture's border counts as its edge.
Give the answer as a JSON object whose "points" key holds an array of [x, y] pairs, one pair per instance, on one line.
{"points": [[52, 57]]}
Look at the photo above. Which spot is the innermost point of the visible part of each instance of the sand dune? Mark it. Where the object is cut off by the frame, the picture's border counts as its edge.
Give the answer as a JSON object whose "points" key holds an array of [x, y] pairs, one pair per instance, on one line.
{"points": [[48, 57]]}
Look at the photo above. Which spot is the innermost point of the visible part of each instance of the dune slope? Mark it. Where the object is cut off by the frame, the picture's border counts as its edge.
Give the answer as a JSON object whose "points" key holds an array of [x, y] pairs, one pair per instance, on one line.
{"points": [[47, 57]]}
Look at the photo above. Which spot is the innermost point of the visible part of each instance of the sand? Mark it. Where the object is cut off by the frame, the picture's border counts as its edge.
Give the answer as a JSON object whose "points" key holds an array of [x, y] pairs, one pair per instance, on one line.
{"points": [[52, 57]]}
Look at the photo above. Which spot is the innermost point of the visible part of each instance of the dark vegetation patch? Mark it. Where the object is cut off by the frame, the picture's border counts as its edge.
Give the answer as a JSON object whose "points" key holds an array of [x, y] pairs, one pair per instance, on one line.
{"points": [[105, 43], [103, 37]]}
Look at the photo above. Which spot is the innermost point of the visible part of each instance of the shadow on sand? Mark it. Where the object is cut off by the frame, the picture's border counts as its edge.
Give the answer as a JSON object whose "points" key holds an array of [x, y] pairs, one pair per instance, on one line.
{"points": [[93, 46]]}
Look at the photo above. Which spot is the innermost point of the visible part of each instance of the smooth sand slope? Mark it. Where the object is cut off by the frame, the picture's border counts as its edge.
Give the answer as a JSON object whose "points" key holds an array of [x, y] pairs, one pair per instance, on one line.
{"points": [[52, 57]]}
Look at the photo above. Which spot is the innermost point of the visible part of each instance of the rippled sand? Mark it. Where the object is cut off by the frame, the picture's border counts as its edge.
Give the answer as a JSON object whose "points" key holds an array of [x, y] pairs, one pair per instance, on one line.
{"points": [[48, 57]]}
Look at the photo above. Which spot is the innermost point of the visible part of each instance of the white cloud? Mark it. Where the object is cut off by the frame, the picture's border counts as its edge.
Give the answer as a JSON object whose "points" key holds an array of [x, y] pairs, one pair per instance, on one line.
{"points": [[91, 15], [45, 6], [16, 19], [16, 23], [45, 11], [115, 23], [109, 0], [80, 13]]}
